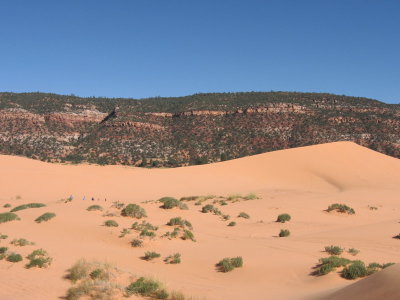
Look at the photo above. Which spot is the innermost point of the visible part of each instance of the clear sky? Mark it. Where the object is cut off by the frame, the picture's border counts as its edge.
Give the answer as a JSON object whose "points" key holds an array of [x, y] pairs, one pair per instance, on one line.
{"points": [[143, 48]]}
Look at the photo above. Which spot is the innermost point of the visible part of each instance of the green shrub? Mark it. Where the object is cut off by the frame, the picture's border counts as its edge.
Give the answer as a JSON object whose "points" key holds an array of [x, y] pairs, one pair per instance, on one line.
{"points": [[169, 202], [7, 205], [243, 215], [333, 250], [188, 235], [329, 264], [223, 203], [111, 223], [355, 270], [232, 224], [14, 257], [178, 221], [3, 250], [228, 264], [94, 207], [7, 217], [173, 259], [207, 208], [342, 208], [39, 258], [136, 243], [147, 233], [149, 255], [161, 294], [99, 273], [283, 218], [124, 232], [387, 265], [26, 206], [79, 270], [173, 234], [143, 226], [45, 217], [284, 233], [144, 287], [3, 236], [134, 211], [21, 242], [353, 251]]}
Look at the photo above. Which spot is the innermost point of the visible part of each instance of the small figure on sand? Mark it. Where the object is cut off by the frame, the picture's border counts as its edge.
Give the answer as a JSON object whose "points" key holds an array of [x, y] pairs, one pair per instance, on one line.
{"points": [[92, 198], [84, 198]]}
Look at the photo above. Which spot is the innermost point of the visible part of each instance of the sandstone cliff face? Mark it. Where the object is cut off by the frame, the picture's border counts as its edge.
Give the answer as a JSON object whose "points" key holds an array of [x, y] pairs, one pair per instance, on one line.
{"points": [[190, 130]]}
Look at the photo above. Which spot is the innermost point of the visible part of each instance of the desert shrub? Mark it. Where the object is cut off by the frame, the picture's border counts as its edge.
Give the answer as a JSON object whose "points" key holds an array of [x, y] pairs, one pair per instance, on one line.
{"points": [[223, 203], [284, 233], [333, 250], [207, 208], [100, 274], [250, 196], [173, 234], [94, 207], [136, 243], [7, 205], [226, 217], [118, 204], [178, 221], [373, 208], [14, 257], [134, 211], [144, 287], [353, 251], [243, 215], [111, 223], [283, 218], [21, 242], [79, 270], [45, 217], [149, 255], [228, 264], [147, 233], [161, 294], [232, 224], [3, 250], [7, 217], [124, 232], [3, 236], [189, 198], [234, 197], [329, 264], [177, 296], [39, 258], [188, 235], [387, 265], [169, 202], [26, 206], [143, 226], [355, 270], [342, 208], [173, 259]]}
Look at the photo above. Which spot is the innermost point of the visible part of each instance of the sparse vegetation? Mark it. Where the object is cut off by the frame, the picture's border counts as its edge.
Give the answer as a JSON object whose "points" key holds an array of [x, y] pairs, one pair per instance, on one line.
{"points": [[174, 234], [39, 258], [26, 206], [146, 287], [173, 259], [353, 251], [342, 208], [329, 264], [45, 217], [14, 257], [7, 217], [111, 223], [228, 264], [7, 205], [178, 221], [243, 215], [137, 243], [118, 204], [134, 211], [124, 232], [283, 218], [207, 208], [170, 202], [284, 233], [188, 235], [357, 269], [232, 224], [149, 255], [94, 207], [3, 236], [334, 250], [21, 242], [147, 233], [3, 250], [143, 226]]}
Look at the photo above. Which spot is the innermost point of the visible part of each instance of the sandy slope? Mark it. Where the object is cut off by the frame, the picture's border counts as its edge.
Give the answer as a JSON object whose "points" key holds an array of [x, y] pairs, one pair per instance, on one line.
{"points": [[302, 182]]}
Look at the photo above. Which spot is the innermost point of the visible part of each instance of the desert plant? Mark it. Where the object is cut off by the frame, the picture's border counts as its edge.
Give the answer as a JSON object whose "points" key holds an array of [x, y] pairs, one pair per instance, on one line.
{"points": [[329, 264], [355, 270], [124, 232], [173, 259], [387, 265], [173, 234], [7, 217], [21, 242], [134, 211], [284, 233], [207, 208], [149, 255], [14, 257], [39, 258], [170, 202], [136, 243], [94, 207], [178, 221], [118, 204], [243, 215], [342, 208], [3, 250], [143, 226], [3, 236], [111, 223], [250, 196], [232, 224], [99, 273], [353, 251], [7, 205], [144, 287], [26, 206], [79, 270], [228, 264], [188, 235], [334, 250], [147, 233], [45, 217], [177, 296], [226, 217], [283, 218]]}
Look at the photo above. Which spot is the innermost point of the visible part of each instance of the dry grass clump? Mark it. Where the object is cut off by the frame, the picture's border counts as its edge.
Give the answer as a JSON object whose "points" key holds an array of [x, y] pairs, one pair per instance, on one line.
{"points": [[111, 223], [134, 211], [143, 226], [21, 242], [228, 264], [334, 250], [137, 243], [7, 205], [353, 251], [3, 236], [341, 208], [94, 207], [26, 206], [173, 259], [45, 217], [178, 221], [150, 255], [170, 202], [243, 215]]}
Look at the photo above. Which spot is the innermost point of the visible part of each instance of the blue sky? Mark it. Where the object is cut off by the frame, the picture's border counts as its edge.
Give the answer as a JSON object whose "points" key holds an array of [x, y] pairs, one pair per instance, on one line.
{"points": [[143, 48]]}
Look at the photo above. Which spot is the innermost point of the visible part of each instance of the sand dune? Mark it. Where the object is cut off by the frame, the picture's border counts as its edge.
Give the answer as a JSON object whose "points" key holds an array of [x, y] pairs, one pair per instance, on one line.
{"points": [[302, 182]]}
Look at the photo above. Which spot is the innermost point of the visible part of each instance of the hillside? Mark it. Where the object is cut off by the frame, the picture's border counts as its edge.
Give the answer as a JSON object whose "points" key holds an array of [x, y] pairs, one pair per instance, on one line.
{"points": [[302, 182], [197, 129]]}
